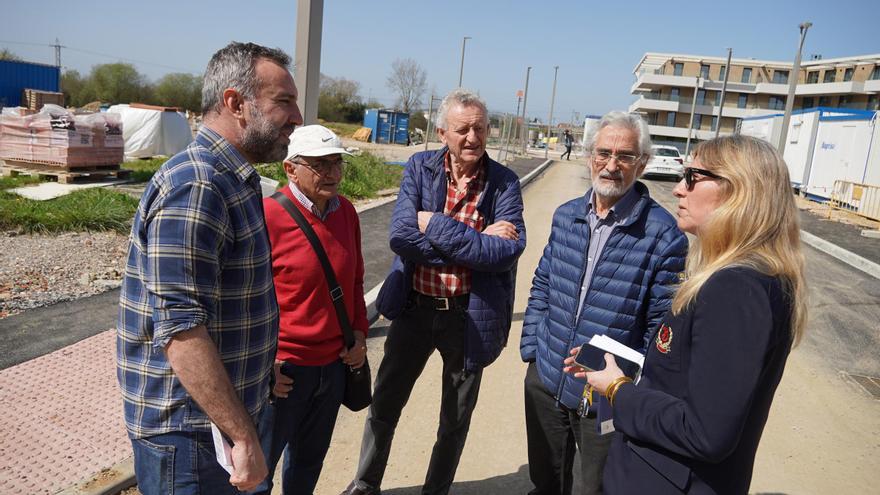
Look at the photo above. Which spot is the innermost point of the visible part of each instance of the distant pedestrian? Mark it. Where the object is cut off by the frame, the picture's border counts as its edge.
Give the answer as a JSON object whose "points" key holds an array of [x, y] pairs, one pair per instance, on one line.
{"points": [[569, 141], [198, 319], [609, 268], [693, 423], [458, 232], [310, 366]]}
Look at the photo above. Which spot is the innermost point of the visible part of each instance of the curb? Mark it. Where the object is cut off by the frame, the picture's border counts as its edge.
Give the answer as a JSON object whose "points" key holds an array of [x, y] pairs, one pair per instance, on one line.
{"points": [[108, 481], [121, 476], [848, 257]]}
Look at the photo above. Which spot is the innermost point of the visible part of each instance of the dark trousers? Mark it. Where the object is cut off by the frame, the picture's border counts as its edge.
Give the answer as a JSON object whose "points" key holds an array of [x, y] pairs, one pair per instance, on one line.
{"points": [[302, 423], [553, 433], [412, 338], [567, 152]]}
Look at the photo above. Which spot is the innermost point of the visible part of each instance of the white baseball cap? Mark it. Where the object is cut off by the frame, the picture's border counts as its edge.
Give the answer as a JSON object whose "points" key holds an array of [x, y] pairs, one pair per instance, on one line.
{"points": [[314, 140]]}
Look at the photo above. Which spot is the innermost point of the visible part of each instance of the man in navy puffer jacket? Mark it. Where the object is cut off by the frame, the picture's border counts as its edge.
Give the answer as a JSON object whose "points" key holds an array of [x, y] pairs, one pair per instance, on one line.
{"points": [[457, 230], [610, 267]]}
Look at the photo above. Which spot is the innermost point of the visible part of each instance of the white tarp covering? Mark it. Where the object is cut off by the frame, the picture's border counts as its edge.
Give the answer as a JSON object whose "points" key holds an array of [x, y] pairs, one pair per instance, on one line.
{"points": [[152, 132]]}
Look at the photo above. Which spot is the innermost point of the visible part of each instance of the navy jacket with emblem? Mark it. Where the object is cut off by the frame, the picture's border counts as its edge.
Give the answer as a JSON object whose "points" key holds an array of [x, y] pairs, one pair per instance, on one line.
{"points": [[631, 289], [447, 241], [693, 422]]}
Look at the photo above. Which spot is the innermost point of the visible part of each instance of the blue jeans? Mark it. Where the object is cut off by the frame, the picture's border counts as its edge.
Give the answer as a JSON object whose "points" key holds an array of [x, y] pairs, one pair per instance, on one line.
{"points": [[301, 426], [179, 463]]}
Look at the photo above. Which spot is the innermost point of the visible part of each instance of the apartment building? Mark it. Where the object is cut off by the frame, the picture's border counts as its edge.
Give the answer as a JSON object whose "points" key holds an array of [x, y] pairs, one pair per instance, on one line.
{"points": [[669, 86]]}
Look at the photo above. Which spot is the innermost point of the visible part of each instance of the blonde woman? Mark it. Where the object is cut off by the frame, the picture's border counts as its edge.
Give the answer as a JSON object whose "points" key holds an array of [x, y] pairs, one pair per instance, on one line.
{"points": [[693, 422]]}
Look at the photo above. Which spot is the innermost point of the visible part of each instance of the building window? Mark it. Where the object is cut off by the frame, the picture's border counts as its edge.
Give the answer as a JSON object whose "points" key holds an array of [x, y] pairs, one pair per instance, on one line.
{"points": [[847, 74], [813, 77], [722, 72], [844, 101], [717, 98], [670, 119], [704, 71], [872, 103], [829, 76], [701, 97], [875, 74], [824, 101], [674, 94], [678, 68], [714, 122], [777, 103], [652, 118], [747, 75], [742, 101], [780, 76], [808, 102], [698, 120]]}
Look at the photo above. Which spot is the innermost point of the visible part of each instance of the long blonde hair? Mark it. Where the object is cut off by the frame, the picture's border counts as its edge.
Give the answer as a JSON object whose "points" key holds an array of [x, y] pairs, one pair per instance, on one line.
{"points": [[756, 224]]}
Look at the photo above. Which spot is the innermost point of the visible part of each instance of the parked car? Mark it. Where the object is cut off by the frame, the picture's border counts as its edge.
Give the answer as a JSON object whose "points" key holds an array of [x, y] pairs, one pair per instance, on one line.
{"points": [[667, 162]]}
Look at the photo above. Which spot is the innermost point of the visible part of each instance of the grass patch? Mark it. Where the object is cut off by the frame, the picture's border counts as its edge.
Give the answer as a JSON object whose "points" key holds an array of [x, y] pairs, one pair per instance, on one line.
{"points": [[342, 129], [365, 175], [84, 210], [18, 181], [143, 170]]}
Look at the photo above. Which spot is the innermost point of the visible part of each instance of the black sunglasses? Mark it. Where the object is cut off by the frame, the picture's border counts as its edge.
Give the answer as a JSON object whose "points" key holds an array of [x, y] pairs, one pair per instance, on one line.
{"points": [[690, 180]]}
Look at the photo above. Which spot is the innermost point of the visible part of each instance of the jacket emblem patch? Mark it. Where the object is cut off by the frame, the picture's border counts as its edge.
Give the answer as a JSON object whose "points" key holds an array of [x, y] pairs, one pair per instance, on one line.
{"points": [[664, 339]]}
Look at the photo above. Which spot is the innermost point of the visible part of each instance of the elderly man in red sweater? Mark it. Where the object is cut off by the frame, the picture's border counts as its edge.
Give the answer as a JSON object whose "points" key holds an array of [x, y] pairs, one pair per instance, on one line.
{"points": [[311, 359]]}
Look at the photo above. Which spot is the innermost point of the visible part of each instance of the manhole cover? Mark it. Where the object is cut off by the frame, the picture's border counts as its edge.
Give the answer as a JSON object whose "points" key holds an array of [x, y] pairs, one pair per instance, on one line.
{"points": [[871, 384]]}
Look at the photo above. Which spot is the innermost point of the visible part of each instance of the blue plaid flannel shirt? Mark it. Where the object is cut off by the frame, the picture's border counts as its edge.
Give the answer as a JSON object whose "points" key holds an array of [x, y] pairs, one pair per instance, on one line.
{"points": [[199, 255]]}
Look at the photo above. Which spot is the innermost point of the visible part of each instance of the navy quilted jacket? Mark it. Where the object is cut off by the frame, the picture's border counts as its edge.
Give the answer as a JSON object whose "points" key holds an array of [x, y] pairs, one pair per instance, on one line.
{"points": [[447, 241], [631, 290]]}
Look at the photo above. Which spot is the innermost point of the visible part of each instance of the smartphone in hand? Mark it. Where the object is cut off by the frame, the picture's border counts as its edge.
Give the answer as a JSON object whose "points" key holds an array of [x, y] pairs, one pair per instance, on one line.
{"points": [[580, 359]]}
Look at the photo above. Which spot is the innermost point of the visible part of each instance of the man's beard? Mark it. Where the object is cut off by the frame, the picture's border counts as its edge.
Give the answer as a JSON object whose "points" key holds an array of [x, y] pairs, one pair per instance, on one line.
{"points": [[614, 190], [262, 140]]}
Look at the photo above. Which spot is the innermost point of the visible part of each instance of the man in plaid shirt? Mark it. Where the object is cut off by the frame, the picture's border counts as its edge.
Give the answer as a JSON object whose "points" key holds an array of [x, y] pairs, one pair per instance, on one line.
{"points": [[458, 231], [198, 319]]}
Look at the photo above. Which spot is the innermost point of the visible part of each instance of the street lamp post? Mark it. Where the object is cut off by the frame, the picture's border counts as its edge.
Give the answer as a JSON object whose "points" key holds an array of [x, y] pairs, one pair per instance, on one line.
{"points": [[461, 67], [723, 91], [550, 119], [792, 83], [525, 127]]}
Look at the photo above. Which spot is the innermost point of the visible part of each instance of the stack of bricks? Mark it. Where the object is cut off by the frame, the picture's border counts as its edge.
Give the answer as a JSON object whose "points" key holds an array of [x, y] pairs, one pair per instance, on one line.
{"points": [[35, 99], [56, 137]]}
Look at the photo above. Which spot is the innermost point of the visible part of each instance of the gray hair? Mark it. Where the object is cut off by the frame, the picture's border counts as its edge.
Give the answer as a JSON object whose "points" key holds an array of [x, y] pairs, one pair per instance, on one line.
{"points": [[625, 120], [459, 96], [233, 67]]}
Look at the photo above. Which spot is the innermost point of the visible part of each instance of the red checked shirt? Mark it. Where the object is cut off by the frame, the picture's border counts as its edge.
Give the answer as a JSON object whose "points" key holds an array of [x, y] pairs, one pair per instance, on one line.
{"points": [[454, 280]]}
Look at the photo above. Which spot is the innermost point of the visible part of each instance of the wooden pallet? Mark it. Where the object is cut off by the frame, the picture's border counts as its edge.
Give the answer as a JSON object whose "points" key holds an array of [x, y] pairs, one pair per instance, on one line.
{"points": [[65, 176]]}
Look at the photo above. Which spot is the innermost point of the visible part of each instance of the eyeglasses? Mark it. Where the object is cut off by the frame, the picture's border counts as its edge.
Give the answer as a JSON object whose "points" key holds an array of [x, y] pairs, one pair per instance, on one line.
{"points": [[623, 159], [324, 167], [690, 172]]}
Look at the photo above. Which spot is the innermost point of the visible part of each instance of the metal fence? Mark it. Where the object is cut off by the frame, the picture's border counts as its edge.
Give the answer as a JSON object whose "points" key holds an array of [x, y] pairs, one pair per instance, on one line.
{"points": [[861, 199]]}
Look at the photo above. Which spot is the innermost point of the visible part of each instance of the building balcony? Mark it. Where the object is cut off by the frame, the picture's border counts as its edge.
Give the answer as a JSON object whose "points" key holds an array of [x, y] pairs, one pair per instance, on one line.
{"points": [[680, 132], [652, 104], [816, 89], [872, 86], [648, 81]]}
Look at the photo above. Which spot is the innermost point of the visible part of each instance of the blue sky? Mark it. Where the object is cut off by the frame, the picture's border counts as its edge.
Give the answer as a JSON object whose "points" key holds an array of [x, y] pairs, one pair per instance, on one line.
{"points": [[595, 44]]}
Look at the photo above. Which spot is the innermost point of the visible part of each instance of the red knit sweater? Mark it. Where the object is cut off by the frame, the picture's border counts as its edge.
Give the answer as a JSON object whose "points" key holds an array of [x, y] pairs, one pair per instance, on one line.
{"points": [[309, 333]]}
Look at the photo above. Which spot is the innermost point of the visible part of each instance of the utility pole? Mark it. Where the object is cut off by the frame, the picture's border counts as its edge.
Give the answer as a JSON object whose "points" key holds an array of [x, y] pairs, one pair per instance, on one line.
{"points": [[687, 146], [792, 83], [723, 92], [430, 117], [461, 67], [525, 128], [550, 119], [309, 22], [58, 48]]}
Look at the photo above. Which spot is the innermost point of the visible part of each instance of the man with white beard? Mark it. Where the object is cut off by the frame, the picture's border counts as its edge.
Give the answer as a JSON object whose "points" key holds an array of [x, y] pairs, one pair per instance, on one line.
{"points": [[609, 268]]}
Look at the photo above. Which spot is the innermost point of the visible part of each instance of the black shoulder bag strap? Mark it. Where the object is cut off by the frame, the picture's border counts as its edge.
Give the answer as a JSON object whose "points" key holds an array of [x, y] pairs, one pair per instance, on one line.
{"points": [[335, 289]]}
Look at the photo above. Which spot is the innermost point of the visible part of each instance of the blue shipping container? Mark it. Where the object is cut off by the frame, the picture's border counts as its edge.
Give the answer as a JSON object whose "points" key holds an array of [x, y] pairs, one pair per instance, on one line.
{"points": [[388, 126], [17, 76]]}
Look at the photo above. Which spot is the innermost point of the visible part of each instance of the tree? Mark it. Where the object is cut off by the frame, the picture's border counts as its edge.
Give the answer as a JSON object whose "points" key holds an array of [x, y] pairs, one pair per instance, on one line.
{"points": [[74, 87], [117, 83], [408, 81], [8, 55], [339, 100], [179, 90]]}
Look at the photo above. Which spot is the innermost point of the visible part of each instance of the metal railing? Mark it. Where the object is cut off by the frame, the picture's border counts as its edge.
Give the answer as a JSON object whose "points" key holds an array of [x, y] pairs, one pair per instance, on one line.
{"points": [[861, 199]]}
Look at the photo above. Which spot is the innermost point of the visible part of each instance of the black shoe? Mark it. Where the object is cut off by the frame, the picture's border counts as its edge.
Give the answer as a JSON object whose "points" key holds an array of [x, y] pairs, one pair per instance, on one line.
{"points": [[353, 489]]}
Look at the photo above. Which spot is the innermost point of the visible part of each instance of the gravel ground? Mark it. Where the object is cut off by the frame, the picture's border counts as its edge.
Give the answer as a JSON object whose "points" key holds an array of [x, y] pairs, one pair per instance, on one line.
{"points": [[43, 269]]}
